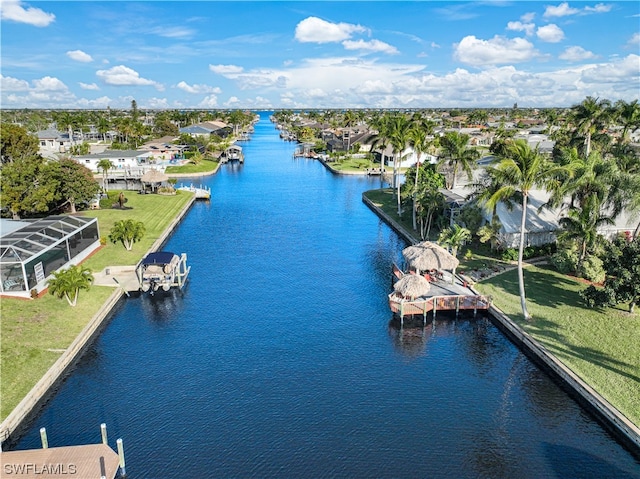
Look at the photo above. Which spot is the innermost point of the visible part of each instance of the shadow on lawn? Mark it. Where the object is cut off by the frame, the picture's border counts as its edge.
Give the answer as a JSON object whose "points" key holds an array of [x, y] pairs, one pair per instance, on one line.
{"points": [[542, 288], [558, 344]]}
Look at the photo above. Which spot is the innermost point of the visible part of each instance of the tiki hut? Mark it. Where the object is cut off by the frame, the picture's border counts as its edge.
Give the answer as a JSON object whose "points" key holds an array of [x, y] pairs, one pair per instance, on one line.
{"points": [[412, 286], [428, 256], [153, 178]]}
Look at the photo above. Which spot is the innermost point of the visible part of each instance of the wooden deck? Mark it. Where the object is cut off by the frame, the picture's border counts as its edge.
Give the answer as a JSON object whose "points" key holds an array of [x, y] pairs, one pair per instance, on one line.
{"points": [[421, 306], [87, 462]]}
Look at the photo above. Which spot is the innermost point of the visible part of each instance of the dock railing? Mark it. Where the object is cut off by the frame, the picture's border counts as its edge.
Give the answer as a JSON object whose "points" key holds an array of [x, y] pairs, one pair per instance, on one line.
{"points": [[421, 306]]}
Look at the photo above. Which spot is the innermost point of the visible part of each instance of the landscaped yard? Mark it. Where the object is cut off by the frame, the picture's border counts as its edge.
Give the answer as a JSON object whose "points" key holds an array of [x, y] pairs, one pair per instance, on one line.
{"points": [[204, 166], [35, 333], [601, 346]]}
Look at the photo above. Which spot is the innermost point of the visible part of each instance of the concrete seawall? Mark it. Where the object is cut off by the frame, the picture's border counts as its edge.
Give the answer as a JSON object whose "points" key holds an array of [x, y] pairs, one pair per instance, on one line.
{"points": [[613, 420], [41, 392]]}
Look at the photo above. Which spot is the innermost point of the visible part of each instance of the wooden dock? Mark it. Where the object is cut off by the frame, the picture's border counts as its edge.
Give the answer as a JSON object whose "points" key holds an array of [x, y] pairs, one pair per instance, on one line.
{"points": [[421, 306], [87, 462]]}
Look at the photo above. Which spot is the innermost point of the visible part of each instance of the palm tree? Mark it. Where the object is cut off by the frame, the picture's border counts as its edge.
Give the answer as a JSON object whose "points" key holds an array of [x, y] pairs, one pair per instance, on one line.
{"points": [[629, 115], [581, 224], [517, 173], [429, 201], [589, 117], [454, 237], [127, 232], [457, 154], [67, 283], [420, 143], [398, 134], [105, 165]]}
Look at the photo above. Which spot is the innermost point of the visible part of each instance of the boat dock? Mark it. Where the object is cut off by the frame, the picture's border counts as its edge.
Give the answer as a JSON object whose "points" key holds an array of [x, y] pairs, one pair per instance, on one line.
{"points": [[85, 461], [200, 192]]}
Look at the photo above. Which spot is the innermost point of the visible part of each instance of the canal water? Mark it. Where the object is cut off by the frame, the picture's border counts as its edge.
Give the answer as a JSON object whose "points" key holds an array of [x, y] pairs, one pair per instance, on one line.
{"points": [[281, 360]]}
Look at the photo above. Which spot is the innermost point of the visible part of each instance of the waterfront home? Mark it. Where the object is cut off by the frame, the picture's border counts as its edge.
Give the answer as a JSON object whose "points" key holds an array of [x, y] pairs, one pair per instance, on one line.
{"points": [[207, 128], [163, 149], [122, 159]]}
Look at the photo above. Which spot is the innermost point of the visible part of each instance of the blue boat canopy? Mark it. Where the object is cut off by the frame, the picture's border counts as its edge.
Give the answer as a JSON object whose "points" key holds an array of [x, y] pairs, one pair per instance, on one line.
{"points": [[159, 257]]}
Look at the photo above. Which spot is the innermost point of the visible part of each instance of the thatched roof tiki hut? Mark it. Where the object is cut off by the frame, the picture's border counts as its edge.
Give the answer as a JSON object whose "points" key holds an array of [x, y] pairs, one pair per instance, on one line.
{"points": [[427, 256], [412, 286], [154, 178]]}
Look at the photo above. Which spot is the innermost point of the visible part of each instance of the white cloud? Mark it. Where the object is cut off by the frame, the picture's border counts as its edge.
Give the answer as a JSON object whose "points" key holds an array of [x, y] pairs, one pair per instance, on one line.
{"points": [[371, 45], [102, 102], [561, 10], [210, 101], [528, 17], [173, 32], [157, 103], [232, 102], [13, 84], [316, 30], [79, 56], [496, 51], [599, 8], [88, 86], [124, 76], [49, 84], [226, 70], [623, 73], [528, 28], [576, 54], [14, 11], [550, 33], [195, 89], [634, 40]]}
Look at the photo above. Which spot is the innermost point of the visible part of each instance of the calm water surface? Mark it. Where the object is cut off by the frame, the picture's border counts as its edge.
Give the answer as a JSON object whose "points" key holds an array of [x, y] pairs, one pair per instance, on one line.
{"points": [[280, 359]]}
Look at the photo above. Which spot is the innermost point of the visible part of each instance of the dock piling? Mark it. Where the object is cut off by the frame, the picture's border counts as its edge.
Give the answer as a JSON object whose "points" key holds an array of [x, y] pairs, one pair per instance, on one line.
{"points": [[103, 432], [43, 438], [123, 470]]}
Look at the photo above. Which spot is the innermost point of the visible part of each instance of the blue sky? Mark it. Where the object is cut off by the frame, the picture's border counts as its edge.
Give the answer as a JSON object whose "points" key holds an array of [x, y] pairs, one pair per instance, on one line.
{"points": [[286, 54]]}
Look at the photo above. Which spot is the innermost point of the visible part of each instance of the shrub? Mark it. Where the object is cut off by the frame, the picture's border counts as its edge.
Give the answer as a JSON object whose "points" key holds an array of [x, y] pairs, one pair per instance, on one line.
{"points": [[565, 260], [510, 254], [592, 269]]}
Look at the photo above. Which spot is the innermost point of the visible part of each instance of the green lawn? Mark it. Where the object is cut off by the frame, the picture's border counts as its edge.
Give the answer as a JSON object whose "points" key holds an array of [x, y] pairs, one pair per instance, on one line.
{"points": [[205, 166], [34, 333], [600, 346]]}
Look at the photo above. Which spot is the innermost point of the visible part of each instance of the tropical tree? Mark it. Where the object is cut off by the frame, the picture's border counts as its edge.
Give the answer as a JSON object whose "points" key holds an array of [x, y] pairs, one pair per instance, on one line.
{"points": [[76, 183], [16, 143], [581, 225], [589, 117], [105, 165], [430, 200], [457, 154], [629, 115], [127, 232], [454, 237], [420, 143], [67, 283], [623, 277], [517, 173], [398, 134], [28, 186]]}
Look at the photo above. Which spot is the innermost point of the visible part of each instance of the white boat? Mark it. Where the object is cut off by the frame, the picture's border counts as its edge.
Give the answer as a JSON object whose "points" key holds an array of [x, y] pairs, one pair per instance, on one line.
{"points": [[201, 192], [162, 270]]}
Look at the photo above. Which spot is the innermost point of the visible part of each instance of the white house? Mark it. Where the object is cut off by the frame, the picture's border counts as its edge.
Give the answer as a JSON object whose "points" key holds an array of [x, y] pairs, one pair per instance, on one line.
{"points": [[121, 159], [53, 143]]}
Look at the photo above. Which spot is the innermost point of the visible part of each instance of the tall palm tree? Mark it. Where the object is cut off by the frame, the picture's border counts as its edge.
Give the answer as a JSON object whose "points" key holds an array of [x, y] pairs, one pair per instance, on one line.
{"points": [[420, 143], [105, 165], [398, 134], [589, 117], [629, 115], [517, 173], [67, 283], [457, 153]]}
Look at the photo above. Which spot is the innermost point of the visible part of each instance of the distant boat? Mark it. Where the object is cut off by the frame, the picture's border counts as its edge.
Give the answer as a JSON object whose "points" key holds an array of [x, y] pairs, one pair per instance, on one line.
{"points": [[162, 270], [201, 192]]}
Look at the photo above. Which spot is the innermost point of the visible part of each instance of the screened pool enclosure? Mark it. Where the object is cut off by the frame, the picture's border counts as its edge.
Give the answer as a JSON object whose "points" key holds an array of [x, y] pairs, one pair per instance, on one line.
{"points": [[30, 250]]}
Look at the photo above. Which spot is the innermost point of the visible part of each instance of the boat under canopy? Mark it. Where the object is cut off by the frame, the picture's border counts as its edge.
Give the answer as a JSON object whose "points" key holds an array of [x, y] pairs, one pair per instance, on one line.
{"points": [[162, 270]]}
